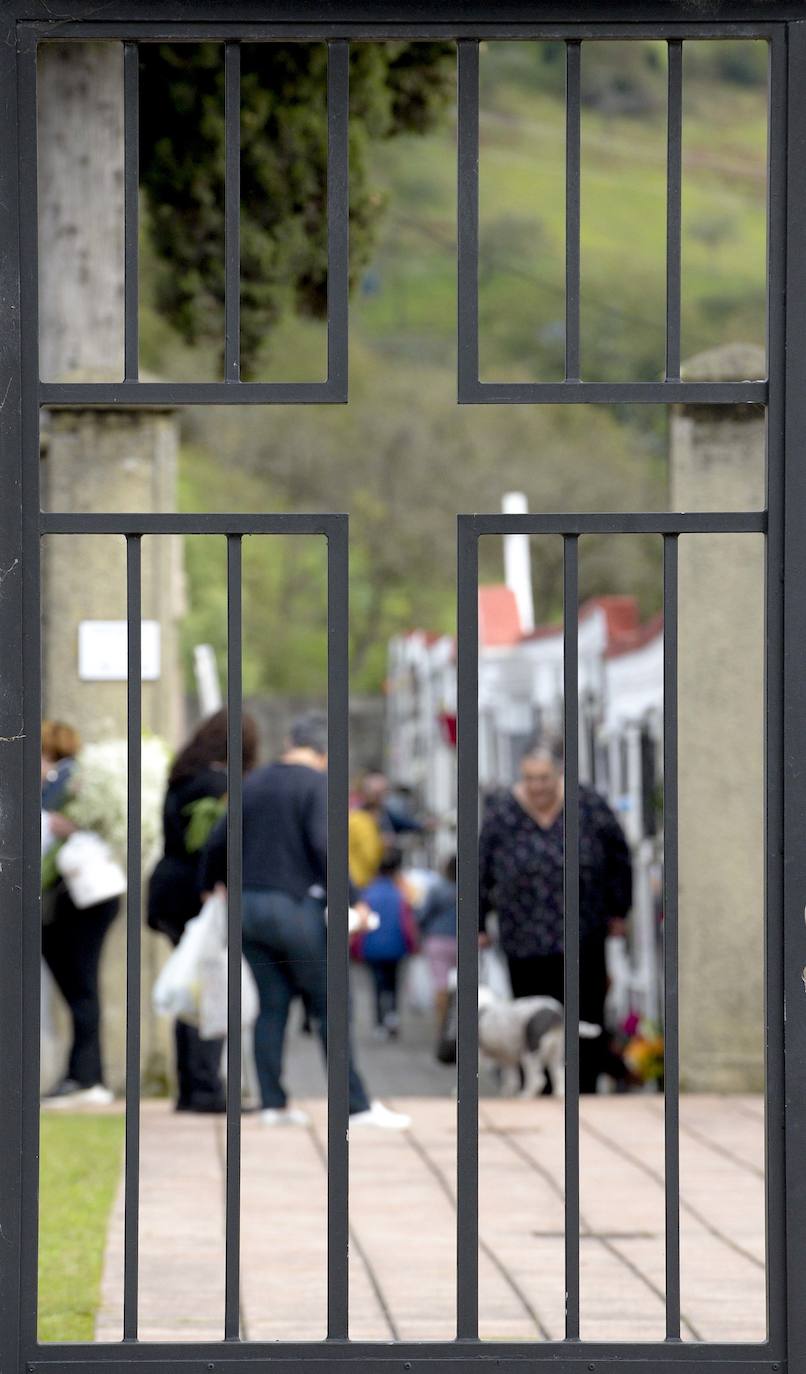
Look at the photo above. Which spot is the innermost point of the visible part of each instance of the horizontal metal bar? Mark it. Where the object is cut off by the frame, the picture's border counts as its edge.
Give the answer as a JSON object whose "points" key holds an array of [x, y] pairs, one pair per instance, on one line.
{"points": [[359, 22], [505, 1357], [651, 522], [170, 394], [137, 523], [614, 393]]}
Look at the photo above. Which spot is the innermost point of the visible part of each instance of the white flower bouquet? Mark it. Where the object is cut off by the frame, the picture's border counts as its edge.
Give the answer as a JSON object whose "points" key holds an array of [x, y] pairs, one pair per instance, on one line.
{"points": [[97, 796]]}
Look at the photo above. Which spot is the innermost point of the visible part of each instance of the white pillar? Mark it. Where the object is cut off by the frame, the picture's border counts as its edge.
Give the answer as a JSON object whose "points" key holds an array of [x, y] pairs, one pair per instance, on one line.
{"points": [[518, 561]]}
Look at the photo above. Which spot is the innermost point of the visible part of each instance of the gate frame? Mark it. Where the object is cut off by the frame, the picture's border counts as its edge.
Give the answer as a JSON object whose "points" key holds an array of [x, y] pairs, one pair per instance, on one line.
{"points": [[782, 21]]}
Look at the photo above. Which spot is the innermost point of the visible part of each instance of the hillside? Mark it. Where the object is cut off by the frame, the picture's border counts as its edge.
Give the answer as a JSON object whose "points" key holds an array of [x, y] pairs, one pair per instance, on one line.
{"points": [[402, 458]]}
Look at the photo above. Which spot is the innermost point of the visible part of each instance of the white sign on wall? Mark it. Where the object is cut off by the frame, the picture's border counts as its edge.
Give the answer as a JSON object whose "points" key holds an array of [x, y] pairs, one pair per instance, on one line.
{"points": [[103, 650]]}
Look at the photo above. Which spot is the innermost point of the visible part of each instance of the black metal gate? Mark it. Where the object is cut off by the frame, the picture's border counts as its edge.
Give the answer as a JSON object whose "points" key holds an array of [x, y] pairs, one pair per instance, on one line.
{"points": [[783, 522]]}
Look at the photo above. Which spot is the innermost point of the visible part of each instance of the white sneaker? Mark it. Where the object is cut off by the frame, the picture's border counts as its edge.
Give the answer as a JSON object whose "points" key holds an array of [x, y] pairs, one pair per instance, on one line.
{"points": [[381, 1117], [96, 1096], [284, 1116]]}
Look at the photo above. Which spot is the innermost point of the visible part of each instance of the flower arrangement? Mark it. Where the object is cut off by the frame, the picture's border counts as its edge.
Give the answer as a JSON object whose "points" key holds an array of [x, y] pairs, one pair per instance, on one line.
{"points": [[643, 1052], [97, 797]]}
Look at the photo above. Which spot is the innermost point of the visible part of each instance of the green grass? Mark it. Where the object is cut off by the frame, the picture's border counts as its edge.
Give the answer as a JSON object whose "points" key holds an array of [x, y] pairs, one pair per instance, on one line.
{"points": [[623, 231], [81, 1160]]}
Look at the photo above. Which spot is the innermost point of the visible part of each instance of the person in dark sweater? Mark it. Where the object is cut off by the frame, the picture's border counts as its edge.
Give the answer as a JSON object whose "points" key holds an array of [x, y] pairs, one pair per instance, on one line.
{"points": [[196, 787], [284, 901], [521, 879]]}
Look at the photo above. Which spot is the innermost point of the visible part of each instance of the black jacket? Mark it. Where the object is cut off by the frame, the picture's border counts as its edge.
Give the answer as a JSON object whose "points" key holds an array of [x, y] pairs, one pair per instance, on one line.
{"points": [[174, 890]]}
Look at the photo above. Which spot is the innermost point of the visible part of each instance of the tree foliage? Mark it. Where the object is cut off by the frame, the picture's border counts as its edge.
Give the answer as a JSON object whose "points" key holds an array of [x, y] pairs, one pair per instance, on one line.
{"points": [[394, 88]]}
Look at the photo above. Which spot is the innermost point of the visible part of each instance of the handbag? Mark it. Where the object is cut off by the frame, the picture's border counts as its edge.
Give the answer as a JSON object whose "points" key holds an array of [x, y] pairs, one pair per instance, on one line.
{"points": [[90, 870]]}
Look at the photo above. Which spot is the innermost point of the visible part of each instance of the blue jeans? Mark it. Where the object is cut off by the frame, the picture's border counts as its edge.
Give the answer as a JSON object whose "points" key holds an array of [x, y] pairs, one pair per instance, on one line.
{"points": [[285, 944]]}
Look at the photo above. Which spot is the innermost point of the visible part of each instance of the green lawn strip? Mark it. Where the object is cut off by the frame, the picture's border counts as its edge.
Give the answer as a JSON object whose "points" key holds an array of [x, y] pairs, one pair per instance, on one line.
{"points": [[81, 1159]]}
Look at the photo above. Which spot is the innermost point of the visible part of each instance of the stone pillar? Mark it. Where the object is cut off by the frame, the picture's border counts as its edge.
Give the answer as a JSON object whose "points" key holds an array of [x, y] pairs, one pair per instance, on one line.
{"points": [[111, 461], [717, 463], [99, 460]]}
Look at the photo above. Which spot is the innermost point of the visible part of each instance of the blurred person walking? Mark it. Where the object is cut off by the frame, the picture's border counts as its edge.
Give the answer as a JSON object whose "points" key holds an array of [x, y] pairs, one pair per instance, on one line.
{"points": [[437, 921], [521, 879], [384, 948], [284, 905], [194, 800], [366, 834], [72, 937]]}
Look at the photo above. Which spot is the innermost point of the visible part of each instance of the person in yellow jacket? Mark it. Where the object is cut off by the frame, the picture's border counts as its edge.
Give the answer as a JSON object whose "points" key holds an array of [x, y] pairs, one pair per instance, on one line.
{"points": [[366, 838]]}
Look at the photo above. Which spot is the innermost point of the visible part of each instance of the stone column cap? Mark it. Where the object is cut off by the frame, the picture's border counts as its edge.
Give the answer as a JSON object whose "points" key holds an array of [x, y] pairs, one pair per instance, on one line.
{"points": [[730, 362]]}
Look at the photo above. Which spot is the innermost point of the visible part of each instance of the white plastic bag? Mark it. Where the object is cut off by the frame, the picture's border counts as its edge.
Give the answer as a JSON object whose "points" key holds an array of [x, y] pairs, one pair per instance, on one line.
{"points": [[177, 990], [213, 999], [494, 974], [91, 872], [418, 994], [192, 984]]}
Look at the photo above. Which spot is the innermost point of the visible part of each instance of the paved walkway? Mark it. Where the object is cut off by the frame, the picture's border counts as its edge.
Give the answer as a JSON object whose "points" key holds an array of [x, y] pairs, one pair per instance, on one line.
{"points": [[402, 1267]]}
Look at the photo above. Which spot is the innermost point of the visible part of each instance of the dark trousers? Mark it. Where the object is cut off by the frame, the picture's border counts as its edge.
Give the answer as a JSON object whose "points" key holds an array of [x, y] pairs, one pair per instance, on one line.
{"points": [[198, 1070], [285, 943], [198, 1063], [385, 977], [71, 947], [542, 975]]}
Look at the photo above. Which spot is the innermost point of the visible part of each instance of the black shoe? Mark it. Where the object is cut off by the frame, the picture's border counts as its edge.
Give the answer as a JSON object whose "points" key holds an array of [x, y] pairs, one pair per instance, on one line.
{"points": [[205, 1104]]}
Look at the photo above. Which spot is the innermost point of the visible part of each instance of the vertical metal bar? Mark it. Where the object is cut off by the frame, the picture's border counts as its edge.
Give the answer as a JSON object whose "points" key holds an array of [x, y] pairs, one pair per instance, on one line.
{"points": [[467, 1119], [232, 1323], [131, 182], [671, 1065], [674, 168], [573, 159], [19, 880], [131, 1228], [232, 212], [571, 925], [338, 213], [785, 703], [338, 959], [467, 203], [32, 677]]}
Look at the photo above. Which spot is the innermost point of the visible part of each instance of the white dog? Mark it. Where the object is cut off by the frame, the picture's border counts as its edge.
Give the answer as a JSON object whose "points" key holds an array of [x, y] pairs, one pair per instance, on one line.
{"points": [[525, 1039]]}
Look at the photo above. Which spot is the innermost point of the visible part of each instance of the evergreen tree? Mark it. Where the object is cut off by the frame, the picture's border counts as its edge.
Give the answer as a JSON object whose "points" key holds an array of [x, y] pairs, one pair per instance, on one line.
{"points": [[394, 88]]}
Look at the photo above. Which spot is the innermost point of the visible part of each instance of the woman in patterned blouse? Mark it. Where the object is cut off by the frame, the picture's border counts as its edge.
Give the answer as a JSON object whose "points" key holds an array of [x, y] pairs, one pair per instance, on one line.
{"points": [[521, 880]]}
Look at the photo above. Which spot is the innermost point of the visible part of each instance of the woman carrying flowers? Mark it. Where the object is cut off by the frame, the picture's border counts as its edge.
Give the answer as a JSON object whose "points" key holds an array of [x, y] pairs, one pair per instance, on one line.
{"points": [[72, 937]]}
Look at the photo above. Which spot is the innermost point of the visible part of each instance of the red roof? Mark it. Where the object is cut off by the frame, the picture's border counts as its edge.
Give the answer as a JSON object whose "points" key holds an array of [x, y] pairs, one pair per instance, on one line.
{"points": [[499, 619], [500, 624]]}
